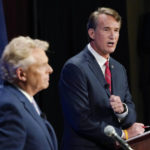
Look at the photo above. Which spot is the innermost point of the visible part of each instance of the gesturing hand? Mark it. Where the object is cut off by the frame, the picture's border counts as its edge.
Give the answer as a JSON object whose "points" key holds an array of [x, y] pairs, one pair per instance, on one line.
{"points": [[116, 104]]}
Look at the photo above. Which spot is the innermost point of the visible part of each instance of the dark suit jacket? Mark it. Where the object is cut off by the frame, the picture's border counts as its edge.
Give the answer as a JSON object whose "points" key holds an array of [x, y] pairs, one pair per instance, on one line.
{"points": [[21, 128], [85, 102]]}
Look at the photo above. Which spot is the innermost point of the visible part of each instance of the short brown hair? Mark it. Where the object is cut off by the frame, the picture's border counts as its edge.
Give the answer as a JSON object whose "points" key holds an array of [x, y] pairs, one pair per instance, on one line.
{"points": [[92, 21]]}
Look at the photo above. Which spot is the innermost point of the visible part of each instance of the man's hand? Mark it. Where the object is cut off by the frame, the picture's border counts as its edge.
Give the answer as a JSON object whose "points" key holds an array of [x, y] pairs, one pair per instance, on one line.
{"points": [[135, 129], [116, 104]]}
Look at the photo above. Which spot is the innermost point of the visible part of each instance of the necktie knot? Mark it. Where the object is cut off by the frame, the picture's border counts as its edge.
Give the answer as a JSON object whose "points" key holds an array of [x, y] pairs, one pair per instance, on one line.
{"points": [[107, 63]]}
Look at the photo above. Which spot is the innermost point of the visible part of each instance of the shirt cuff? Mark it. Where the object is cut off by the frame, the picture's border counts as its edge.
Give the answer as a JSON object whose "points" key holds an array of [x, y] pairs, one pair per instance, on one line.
{"points": [[122, 135], [124, 114]]}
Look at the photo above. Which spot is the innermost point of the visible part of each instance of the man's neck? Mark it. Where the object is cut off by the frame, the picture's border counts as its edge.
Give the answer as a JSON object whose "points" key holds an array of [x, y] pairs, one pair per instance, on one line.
{"points": [[106, 56]]}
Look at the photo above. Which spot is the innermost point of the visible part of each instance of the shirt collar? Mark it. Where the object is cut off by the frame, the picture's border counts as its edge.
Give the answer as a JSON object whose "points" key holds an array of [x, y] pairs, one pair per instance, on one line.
{"points": [[100, 59], [30, 98]]}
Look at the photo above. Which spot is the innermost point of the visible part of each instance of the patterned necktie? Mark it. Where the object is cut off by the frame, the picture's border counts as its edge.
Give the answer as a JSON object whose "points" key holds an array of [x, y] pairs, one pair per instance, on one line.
{"points": [[108, 74]]}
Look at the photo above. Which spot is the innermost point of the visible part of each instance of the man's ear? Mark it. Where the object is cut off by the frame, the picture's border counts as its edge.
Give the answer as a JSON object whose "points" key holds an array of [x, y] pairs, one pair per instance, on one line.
{"points": [[21, 74], [91, 33]]}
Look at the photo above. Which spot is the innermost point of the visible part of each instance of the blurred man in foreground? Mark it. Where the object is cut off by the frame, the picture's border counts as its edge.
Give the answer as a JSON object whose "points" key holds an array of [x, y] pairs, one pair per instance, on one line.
{"points": [[25, 71]]}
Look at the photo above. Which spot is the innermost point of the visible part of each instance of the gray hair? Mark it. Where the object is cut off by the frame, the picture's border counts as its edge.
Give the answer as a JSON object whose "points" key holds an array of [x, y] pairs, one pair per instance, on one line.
{"points": [[18, 54]]}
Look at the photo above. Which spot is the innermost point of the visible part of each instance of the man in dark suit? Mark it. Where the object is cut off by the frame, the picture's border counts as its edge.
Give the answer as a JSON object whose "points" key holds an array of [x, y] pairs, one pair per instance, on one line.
{"points": [[25, 70], [94, 95]]}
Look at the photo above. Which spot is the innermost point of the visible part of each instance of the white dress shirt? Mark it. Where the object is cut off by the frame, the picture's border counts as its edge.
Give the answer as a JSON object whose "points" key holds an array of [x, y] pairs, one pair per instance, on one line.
{"points": [[100, 60]]}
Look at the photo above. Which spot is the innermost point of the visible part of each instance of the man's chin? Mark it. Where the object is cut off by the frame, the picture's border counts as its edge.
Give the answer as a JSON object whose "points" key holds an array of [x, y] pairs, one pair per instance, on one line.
{"points": [[111, 50], [46, 86]]}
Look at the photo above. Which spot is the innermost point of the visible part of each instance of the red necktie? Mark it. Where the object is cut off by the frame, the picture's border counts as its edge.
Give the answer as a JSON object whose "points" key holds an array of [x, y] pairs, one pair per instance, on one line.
{"points": [[108, 75]]}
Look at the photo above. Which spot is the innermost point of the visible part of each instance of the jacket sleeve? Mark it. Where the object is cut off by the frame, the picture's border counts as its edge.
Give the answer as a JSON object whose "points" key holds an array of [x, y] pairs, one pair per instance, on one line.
{"points": [[12, 135], [127, 99]]}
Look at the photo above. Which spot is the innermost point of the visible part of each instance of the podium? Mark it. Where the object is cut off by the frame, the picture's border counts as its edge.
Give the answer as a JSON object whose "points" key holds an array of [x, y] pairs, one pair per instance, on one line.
{"points": [[140, 142]]}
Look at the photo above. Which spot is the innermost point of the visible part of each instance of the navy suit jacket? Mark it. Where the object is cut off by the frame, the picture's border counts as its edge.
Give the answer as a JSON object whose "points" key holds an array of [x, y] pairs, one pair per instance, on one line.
{"points": [[21, 128], [85, 102]]}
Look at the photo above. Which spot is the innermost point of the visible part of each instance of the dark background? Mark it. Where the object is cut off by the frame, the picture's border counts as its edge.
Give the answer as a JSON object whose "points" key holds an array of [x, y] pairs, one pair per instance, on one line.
{"points": [[63, 25]]}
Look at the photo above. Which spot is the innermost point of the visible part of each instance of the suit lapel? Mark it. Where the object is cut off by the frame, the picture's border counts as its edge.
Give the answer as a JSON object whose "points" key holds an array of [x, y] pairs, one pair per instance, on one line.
{"points": [[30, 109], [96, 70], [28, 106], [52, 133], [113, 75]]}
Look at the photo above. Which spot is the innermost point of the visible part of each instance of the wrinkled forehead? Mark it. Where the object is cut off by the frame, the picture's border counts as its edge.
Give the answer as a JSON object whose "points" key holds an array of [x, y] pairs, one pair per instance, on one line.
{"points": [[108, 20], [39, 55]]}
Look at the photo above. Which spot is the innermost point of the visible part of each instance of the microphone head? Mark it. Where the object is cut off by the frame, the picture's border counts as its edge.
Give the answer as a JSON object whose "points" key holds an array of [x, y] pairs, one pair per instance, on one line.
{"points": [[109, 130], [106, 86]]}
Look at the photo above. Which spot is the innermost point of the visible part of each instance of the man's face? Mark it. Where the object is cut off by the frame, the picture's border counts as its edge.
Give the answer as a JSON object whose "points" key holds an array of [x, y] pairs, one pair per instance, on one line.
{"points": [[106, 35], [37, 75]]}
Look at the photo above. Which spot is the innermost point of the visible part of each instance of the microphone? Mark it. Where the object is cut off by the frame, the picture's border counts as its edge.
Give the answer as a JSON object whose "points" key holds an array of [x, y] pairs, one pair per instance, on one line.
{"points": [[106, 86], [43, 115], [110, 132]]}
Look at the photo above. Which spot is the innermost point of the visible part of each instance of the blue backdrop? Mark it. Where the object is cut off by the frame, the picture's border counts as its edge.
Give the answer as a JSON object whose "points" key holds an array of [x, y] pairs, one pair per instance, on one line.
{"points": [[3, 33]]}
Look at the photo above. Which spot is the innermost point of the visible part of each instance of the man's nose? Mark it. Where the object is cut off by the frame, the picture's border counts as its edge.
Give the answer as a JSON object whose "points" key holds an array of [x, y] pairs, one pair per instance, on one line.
{"points": [[50, 70], [112, 35]]}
